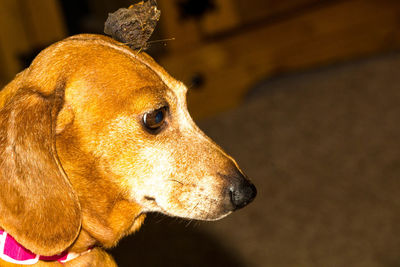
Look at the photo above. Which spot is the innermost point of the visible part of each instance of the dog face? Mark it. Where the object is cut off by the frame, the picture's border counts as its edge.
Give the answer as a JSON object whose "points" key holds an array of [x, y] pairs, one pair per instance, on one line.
{"points": [[92, 136], [132, 117]]}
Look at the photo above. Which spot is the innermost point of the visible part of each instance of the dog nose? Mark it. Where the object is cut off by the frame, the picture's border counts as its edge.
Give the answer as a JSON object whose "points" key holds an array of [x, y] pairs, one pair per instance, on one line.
{"points": [[242, 192]]}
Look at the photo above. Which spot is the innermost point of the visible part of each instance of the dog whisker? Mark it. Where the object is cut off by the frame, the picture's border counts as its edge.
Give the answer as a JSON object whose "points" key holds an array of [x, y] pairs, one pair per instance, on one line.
{"points": [[173, 180], [194, 208], [188, 223]]}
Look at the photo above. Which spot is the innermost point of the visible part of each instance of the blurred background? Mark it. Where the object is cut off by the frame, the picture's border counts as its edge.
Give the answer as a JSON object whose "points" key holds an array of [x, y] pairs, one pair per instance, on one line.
{"points": [[303, 93]]}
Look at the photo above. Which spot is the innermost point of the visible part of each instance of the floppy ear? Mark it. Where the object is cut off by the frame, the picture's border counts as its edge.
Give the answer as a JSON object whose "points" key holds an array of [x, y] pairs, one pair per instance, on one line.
{"points": [[38, 206]]}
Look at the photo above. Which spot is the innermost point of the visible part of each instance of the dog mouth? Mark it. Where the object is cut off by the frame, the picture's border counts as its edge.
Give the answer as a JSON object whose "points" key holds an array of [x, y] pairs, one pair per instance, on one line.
{"points": [[193, 213], [151, 205], [152, 199]]}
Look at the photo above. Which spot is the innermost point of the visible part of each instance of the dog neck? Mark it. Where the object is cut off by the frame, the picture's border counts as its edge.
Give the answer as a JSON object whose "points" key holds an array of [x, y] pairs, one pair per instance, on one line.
{"points": [[107, 231], [92, 233], [13, 252]]}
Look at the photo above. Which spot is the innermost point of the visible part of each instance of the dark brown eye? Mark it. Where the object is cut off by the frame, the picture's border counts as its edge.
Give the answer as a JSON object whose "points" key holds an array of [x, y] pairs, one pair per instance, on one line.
{"points": [[155, 119]]}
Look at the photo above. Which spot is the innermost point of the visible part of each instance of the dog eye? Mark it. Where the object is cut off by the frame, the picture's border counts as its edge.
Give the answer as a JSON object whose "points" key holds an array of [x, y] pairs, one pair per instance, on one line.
{"points": [[155, 119]]}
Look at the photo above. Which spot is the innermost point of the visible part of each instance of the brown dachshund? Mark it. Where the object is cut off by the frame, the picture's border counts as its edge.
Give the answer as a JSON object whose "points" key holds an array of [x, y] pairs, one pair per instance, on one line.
{"points": [[93, 136]]}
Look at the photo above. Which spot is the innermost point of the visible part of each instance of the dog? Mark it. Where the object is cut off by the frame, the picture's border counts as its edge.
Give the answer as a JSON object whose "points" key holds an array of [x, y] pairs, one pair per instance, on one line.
{"points": [[93, 136]]}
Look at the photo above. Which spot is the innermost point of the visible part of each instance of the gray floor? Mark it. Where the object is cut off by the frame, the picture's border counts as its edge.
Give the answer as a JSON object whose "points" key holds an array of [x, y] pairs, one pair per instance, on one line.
{"points": [[323, 149]]}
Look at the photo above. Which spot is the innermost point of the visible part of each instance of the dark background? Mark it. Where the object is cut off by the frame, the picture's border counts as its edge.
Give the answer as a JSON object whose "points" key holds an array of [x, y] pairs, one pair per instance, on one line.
{"points": [[303, 93]]}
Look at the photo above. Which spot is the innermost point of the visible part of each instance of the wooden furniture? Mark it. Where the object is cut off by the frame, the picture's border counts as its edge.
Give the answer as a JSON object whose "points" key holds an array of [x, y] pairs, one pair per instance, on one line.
{"points": [[279, 37], [26, 25]]}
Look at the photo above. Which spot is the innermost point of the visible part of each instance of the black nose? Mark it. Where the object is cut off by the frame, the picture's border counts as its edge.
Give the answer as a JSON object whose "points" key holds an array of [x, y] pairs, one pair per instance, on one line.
{"points": [[242, 193]]}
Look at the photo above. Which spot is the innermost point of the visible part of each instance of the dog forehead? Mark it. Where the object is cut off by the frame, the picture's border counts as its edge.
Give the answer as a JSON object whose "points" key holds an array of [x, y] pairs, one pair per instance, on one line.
{"points": [[110, 70], [103, 75], [111, 62], [115, 83], [97, 58], [138, 57]]}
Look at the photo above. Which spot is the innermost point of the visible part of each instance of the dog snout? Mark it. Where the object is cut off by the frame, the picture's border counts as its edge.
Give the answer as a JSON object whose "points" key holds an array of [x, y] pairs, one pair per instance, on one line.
{"points": [[241, 191]]}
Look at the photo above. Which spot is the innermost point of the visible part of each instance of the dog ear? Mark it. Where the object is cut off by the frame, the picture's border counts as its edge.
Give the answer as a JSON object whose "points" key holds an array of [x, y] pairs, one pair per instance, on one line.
{"points": [[38, 206]]}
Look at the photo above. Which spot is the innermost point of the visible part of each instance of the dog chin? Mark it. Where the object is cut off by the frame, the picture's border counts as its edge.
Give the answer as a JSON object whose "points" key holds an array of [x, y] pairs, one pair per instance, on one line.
{"points": [[191, 215], [216, 218], [200, 217]]}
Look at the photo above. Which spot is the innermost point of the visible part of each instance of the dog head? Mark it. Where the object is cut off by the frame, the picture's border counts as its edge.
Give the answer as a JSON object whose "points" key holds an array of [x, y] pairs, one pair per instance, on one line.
{"points": [[122, 132]]}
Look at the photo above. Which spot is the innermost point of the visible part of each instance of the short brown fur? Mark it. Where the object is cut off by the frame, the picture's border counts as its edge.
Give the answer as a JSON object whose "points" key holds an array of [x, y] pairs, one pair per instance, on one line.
{"points": [[77, 167]]}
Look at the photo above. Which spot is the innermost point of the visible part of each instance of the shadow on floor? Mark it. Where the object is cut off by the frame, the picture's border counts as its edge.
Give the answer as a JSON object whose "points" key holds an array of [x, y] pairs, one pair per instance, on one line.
{"points": [[164, 241]]}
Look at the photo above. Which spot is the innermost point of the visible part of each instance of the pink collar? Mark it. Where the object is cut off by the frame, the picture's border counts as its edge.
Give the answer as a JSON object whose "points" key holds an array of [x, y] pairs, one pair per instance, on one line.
{"points": [[12, 251]]}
